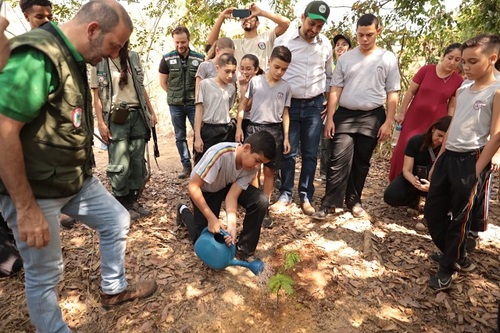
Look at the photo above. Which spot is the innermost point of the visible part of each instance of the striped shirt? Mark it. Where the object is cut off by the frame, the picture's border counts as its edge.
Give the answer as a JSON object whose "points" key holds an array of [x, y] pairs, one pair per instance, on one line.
{"points": [[217, 168]]}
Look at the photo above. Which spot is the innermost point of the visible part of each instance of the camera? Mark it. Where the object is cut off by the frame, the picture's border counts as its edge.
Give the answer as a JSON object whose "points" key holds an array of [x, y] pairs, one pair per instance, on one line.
{"points": [[241, 13]]}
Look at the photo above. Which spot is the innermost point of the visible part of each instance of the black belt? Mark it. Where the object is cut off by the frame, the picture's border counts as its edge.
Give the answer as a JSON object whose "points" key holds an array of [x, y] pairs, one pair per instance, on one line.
{"points": [[265, 125], [215, 125], [465, 153], [372, 110], [306, 99]]}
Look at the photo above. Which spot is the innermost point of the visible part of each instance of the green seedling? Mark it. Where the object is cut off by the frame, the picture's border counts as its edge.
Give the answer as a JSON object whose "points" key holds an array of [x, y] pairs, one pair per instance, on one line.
{"points": [[281, 280]]}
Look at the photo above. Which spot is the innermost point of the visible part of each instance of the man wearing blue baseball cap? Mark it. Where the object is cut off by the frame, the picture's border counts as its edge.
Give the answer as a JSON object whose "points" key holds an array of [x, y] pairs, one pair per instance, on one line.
{"points": [[309, 74]]}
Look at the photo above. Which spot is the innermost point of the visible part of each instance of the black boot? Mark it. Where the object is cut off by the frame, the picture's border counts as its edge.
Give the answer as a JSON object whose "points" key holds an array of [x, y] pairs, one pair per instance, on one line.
{"points": [[135, 205], [124, 200]]}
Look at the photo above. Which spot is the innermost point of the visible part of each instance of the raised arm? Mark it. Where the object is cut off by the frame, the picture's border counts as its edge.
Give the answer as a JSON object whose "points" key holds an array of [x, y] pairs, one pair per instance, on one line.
{"points": [[213, 35], [281, 21]]}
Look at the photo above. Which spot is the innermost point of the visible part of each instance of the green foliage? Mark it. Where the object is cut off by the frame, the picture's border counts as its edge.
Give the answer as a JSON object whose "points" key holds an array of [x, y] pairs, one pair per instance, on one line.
{"points": [[291, 259], [478, 16], [281, 281]]}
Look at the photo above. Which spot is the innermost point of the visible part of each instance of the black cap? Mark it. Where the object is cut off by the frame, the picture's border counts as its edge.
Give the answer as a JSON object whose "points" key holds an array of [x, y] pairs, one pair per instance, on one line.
{"points": [[317, 10], [337, 37]]}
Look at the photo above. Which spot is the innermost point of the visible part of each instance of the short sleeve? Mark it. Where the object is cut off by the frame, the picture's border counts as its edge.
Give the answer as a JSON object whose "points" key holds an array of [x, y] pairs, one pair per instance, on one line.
{"points": [[163, 69], [26, 82], [413, 146], [419, 77]]}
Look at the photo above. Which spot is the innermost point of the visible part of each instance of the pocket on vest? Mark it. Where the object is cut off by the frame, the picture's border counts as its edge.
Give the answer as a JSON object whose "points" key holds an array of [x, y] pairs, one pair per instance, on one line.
{"points": [[114, 169], [57, 182]]}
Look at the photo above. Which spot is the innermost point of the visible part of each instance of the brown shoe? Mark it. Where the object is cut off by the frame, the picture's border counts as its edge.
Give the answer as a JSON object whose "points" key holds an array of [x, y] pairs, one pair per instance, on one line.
{"points": [[359, 212], [307, 208], [279, 206], [140, 290]]}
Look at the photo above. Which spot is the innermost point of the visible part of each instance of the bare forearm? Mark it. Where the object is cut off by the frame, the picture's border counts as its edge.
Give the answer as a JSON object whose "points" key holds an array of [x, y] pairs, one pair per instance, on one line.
{"points": [[333, 99], [213, 35], [392, 102], [98, 106], [198, 117], [286, 124], [199, 200], [13, 170], [407, 98]]}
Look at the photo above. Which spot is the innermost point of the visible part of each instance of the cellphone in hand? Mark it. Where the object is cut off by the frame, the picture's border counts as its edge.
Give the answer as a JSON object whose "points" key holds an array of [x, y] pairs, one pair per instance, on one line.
{"points": [[241, 13], [421, 172]]}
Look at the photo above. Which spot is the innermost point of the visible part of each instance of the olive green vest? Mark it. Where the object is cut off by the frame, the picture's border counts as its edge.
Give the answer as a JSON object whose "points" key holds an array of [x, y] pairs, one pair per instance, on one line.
{"points": [[57, 145], [182, 77], [106, 87]]}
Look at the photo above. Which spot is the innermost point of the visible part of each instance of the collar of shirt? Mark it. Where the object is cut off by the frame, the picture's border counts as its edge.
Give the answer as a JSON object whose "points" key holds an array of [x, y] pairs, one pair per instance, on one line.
{"points": [[296, 35]]}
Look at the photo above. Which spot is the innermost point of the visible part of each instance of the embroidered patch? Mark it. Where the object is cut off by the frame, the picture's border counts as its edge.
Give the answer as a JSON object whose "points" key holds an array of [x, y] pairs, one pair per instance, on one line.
{"points": [[322, 9], [173, 61], [280, 95], [379, 69], [77, 117], [262, 45], [479, 104], [196, 62]]}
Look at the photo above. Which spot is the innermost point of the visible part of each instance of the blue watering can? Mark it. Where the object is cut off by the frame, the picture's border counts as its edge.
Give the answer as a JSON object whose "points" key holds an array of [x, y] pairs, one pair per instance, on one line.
{"points": [[214, 252]]}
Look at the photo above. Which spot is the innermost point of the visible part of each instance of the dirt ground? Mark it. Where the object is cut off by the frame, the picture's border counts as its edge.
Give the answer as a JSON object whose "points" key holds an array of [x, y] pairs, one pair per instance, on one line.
{"points": [[354, 275]]}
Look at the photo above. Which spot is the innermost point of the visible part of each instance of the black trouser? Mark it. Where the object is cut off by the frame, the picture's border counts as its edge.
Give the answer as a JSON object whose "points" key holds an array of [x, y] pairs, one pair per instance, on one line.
{"points": [[212, 134], [276, 130], [452, 183], [252, 199], [401, 192], [347, 169]]}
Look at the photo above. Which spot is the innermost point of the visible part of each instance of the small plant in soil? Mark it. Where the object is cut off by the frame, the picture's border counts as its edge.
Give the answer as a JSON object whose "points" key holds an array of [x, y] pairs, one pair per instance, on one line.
{"points": [[281, 281]]}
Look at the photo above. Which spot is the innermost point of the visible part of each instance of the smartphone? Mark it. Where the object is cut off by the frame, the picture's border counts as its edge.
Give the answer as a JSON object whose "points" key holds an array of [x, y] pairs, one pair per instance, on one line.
{"points": [[241, 13], [421, 172]]}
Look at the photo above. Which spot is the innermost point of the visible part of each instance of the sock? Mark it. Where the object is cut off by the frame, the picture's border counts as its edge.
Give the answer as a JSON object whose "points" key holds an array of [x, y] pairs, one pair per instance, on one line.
{"points": [[181, 208]]}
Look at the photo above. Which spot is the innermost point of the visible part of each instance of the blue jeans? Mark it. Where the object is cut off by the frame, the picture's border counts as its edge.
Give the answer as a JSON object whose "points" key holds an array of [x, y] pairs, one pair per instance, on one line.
{"points": [[98, 209], [178, 114], [305, 128]]}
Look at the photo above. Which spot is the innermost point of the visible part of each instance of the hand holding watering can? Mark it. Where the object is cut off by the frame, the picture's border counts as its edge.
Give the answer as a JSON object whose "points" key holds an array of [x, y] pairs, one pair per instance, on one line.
{"points": [[214, 252], [214, 226]]}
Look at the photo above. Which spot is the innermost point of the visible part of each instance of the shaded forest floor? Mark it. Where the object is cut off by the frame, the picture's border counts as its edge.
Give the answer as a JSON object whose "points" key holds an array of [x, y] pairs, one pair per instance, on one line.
{"points": [[355, 275]]}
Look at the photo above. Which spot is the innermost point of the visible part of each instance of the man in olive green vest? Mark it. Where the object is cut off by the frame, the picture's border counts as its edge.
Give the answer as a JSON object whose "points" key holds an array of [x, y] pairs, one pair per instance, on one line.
{"points": [[178, 78], [46, 129]]}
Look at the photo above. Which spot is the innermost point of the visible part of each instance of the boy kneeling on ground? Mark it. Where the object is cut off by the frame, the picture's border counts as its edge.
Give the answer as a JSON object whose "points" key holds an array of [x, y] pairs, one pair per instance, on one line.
{"points": [[224, 173]]}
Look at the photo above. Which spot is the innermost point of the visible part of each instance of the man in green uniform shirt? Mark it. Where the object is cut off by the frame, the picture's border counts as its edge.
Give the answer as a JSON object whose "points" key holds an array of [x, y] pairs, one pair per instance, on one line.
{"points": [[46, 129]]}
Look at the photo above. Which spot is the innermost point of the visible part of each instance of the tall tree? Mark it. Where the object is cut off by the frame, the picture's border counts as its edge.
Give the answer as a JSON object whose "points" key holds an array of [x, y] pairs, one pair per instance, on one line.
{"points": [[477, 16]]}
